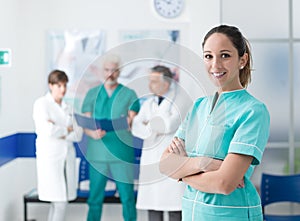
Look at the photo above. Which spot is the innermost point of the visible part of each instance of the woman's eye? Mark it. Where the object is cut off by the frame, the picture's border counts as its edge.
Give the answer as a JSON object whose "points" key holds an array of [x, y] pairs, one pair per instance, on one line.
{"points": [[225, 55], [207, 56]]}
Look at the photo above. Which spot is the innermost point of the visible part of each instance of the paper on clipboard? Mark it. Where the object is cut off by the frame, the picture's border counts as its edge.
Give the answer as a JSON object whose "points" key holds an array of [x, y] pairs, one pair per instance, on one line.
{"points": [[103, 124]]}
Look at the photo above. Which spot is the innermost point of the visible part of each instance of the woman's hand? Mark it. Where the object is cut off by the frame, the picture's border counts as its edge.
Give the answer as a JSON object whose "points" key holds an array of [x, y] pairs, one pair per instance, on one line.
{"points": [[70, 129], [51, 121], [177, 147], [95, 134]]}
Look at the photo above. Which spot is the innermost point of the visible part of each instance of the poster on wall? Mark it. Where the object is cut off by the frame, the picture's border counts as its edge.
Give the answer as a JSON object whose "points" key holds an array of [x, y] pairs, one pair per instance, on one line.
{"points": [[72, 51], [140, 67]]}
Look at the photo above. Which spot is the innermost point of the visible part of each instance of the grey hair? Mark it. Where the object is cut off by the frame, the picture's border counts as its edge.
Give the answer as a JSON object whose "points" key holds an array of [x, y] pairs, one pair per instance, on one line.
{"points": [[112, 58]]}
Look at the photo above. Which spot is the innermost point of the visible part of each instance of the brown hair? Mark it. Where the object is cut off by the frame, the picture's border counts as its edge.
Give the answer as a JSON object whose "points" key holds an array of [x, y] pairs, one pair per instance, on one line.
{"points": [[241, 44], [57, 76]]}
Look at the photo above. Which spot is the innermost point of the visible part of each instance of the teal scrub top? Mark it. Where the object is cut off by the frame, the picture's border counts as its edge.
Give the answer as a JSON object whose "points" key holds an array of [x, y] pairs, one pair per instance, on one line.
{"points": [[234, 122], [115, 145]]}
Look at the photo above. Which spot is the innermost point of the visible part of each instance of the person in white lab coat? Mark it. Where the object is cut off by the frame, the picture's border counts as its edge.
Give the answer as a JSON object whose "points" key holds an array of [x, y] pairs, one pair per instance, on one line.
{"points": [[156, 123], [55, 153]]}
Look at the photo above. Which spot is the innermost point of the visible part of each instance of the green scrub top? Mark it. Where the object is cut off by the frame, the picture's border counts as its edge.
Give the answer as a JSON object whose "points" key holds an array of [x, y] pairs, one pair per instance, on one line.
{"points": [[115, 145], [234, 122]]}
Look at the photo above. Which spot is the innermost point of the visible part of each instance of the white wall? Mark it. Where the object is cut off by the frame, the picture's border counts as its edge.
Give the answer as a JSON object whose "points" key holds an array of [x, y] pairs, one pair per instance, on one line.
{"points": [[22, 177], [23, 29], [25, 33], [8, 88]]}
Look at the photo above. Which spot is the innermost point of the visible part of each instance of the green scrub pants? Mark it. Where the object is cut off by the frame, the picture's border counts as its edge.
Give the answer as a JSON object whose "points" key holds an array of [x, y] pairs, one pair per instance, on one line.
{"points": [[99, 171]]}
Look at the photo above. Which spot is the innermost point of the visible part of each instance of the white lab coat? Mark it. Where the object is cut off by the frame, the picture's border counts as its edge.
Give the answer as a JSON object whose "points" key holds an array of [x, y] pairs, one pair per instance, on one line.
{"points": [[155, 190], [55, 156]]}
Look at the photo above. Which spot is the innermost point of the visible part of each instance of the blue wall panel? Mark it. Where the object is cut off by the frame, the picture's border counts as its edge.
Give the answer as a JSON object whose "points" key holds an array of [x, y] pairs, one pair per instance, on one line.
{"points": [[8, 149], [23, 145]]}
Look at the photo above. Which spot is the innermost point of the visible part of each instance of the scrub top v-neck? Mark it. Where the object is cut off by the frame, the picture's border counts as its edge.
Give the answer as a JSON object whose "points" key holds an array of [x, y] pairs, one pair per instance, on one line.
{"points": [[235, 122], [115, 145]]}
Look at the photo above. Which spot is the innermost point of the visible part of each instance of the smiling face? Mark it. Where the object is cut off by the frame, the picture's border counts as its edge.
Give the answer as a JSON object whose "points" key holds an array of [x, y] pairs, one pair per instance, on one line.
{"points": [[222, 62]]}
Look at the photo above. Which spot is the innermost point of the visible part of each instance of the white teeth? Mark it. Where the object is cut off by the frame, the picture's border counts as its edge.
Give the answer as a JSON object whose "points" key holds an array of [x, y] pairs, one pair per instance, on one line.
{"points": [[218, 74]]}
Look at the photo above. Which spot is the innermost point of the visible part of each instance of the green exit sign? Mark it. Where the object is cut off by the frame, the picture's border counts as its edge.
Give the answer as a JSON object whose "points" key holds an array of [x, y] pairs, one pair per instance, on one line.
{"points": [[5, 57]]}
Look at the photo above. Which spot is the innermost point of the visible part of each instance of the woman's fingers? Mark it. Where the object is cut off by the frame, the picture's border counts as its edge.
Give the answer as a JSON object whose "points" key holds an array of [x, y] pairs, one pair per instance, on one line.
{"points": [[177, 147], [173, 148]]}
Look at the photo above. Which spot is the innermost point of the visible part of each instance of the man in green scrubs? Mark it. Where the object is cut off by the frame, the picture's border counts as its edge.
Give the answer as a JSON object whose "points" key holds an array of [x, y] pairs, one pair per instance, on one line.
{"points": [[111, 153]]}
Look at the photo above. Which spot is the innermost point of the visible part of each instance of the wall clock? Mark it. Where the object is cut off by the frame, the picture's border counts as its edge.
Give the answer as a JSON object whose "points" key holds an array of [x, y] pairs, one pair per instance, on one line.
{"points": [[169, 8]]}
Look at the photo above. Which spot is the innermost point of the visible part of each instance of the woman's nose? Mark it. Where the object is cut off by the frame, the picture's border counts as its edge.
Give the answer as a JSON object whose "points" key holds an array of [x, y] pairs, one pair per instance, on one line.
{"points": [[216, 62]]}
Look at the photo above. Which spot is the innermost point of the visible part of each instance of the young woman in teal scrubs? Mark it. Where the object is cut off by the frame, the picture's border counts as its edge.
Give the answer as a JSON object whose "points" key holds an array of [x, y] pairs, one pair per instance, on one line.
{"points": [[222, 138]]}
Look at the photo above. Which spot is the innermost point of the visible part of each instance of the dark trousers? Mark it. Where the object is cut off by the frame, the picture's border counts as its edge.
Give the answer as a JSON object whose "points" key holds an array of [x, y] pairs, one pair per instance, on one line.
{"points": [[154, 215]]}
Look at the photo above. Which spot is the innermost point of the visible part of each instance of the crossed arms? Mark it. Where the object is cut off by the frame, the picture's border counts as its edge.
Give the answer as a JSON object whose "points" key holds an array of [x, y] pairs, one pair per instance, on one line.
{"points": [[204, 173]]}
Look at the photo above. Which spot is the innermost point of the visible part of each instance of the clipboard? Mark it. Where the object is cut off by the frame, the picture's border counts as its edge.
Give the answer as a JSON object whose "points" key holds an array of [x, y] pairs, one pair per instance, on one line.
{"points": [[103, 124]]}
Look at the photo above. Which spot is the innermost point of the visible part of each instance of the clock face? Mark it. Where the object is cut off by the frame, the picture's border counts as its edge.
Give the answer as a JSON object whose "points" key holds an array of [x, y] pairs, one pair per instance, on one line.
{"points": [[169, 8]]}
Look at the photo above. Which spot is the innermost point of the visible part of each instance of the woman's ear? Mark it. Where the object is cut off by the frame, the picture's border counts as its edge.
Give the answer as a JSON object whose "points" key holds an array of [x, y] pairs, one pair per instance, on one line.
{"points": [[50, 86], [244, 60]]}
